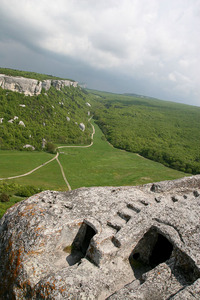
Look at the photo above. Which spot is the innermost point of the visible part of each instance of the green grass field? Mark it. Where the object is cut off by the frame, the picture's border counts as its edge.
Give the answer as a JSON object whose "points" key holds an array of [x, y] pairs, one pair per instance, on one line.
{"points": [[98, 165], [48, 177], [103, 165], [14, 163]]}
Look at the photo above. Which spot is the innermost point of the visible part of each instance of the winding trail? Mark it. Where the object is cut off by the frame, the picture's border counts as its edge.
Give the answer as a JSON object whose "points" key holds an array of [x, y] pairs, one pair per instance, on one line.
{"points": [[30, 172], [57, 159], [63, 174]]}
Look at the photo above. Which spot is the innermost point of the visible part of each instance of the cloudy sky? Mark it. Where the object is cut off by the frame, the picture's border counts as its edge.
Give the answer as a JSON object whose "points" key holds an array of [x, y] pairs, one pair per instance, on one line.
{"points": [[149, 47]]}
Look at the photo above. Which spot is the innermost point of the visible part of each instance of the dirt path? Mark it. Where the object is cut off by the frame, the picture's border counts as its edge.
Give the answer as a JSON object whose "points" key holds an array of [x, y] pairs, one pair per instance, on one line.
{"points": [[30, 172], [56, 157], [63, 174], [87, 146]]}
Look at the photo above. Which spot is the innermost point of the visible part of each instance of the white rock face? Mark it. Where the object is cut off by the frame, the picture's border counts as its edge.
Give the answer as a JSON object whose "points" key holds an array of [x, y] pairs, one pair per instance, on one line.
{"points": [[31, 87], [23, 85], [46, 84], [58, 84], [82, 126]]}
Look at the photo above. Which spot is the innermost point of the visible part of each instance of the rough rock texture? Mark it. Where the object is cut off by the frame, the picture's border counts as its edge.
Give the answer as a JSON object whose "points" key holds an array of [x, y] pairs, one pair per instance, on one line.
{"points": [[31, 87], [96, 243]]}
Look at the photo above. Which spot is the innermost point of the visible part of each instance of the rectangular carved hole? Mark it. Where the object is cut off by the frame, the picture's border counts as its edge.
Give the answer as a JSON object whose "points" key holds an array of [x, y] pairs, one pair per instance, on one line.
{"points": [[80, 244]]}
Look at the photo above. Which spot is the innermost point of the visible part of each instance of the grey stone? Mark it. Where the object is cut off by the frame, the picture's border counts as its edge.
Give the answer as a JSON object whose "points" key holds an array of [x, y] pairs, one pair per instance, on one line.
{"points": [[103, 242], [82, 126], [29, 146]]}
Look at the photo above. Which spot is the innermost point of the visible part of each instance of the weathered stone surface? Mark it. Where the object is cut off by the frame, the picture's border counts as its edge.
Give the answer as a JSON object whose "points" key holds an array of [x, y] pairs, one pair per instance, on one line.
{"points": [[58, 84], [30, 86], [104, 242], [23, 85]]}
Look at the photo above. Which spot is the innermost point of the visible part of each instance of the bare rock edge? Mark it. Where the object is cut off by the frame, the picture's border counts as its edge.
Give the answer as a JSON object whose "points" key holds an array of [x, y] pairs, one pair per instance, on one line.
{"points": [[137, 242], [31, 87]]}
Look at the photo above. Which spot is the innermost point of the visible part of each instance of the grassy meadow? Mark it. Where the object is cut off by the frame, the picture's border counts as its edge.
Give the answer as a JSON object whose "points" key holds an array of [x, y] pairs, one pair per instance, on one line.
{"points": [[104, 165], [99, 165], [13, 163]]}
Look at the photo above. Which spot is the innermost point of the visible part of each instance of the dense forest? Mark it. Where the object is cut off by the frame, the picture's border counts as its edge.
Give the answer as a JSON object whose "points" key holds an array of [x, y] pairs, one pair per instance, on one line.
{"points": [[54, 116], [163, 131]]}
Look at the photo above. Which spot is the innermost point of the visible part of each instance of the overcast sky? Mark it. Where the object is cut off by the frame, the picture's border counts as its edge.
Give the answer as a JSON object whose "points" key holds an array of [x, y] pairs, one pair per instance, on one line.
{"points": [[149, 47]]}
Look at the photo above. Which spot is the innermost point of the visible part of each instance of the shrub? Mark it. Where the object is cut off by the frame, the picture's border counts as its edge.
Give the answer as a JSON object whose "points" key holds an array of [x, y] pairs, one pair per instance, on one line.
{"points": [[27, 191], [4, 197], [51, 148]]}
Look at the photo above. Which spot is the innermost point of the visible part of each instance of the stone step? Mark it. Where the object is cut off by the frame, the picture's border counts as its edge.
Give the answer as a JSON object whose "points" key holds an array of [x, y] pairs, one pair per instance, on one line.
{"points": [[134, 206], [106, 233], [144, 202], [116, 222], [126, 214]]}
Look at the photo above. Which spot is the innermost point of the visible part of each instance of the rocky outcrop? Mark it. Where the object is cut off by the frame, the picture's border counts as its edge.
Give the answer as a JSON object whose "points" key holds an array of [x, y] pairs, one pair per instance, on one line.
{"points": [[31, 87], [96, 243]]}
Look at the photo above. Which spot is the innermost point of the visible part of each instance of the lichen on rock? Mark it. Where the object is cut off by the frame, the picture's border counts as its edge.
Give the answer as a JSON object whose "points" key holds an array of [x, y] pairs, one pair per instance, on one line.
{"points": [[104, 243]]}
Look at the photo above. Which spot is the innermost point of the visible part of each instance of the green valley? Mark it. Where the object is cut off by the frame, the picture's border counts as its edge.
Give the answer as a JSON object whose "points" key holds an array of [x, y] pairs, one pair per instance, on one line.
{"points": [[137, 140]]}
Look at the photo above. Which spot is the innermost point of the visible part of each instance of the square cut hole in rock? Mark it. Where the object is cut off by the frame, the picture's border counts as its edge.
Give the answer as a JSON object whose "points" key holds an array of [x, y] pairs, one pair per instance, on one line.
{"points": [[80, 244]]}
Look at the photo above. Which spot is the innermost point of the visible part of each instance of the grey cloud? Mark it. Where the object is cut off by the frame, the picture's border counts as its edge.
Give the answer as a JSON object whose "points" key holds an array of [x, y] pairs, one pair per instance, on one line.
{"points": [[144, 47]]}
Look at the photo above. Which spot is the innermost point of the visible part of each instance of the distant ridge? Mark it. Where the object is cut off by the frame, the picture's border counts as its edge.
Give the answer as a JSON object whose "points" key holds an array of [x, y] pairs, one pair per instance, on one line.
{"points": [[138, 96]]}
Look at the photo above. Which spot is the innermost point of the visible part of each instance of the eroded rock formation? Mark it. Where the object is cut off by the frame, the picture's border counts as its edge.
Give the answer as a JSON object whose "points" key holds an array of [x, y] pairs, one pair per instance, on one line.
{"points": [[96, 243], [31, 87]]}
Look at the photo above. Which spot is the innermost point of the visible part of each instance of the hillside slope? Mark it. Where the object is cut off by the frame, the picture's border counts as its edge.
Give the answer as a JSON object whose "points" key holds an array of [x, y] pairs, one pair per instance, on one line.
{"points": [[162, 131], [54, 115]]}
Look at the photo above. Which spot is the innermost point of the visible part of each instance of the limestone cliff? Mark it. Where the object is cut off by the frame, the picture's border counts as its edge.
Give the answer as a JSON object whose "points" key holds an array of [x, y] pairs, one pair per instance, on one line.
{"points": [[31, 87], [104, 243]]}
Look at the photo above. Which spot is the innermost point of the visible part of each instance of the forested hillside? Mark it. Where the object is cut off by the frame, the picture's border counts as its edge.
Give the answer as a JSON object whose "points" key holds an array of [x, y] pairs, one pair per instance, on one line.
{"points": [[53, 115], [162, 131]]}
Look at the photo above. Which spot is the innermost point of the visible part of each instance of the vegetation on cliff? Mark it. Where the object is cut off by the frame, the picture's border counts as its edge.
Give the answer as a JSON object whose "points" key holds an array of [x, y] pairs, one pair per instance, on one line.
{"points": [[52, 116]]}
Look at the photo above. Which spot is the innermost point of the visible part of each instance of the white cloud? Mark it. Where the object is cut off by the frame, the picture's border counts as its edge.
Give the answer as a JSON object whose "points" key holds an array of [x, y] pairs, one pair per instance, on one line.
{"points": [[141, 39], [172, 77]]}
